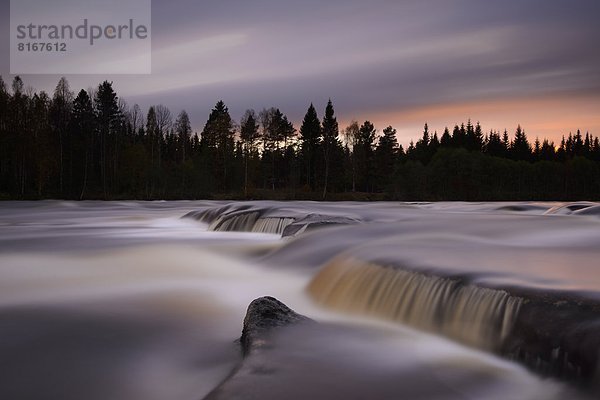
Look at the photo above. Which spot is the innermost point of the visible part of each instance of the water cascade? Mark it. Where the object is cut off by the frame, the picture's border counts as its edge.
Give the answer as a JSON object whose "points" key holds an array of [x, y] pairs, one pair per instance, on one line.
{"points": [[477, 316], [274, 225]]}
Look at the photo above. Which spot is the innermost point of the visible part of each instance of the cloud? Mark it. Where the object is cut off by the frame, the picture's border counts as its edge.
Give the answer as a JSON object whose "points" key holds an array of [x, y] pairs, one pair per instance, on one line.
{"points": [[385, 57]]}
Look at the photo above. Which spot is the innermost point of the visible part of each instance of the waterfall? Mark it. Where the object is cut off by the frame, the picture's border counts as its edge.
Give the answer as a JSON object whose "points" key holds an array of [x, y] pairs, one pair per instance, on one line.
{"points": [[473, 315], [249, 221], [272, 225], [238, 222], [266, 217]]}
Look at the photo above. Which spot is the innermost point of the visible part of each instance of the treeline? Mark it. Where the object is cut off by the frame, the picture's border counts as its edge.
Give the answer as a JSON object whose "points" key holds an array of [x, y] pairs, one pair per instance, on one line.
{"points": [[92, 145]]}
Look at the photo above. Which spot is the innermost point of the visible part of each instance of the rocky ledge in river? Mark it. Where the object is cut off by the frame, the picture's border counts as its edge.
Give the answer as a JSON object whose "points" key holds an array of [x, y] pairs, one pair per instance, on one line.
{"points": [[264, 315], [289, 356]]}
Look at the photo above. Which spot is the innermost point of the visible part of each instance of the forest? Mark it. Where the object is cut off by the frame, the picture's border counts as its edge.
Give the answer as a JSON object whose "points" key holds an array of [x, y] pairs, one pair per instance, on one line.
{"points": [[93, 145]]}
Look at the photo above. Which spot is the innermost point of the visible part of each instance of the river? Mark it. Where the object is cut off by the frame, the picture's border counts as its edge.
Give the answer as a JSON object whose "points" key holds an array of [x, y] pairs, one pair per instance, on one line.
{"points": [[145, 300]]}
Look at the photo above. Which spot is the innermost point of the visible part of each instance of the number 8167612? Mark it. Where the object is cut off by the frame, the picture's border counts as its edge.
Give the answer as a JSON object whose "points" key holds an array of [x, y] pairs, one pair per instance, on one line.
{"points": [[42, 46]]}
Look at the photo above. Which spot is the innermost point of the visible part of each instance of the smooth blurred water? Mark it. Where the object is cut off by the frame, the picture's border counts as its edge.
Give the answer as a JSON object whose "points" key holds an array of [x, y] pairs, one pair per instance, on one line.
{"points": [[127, 300]]}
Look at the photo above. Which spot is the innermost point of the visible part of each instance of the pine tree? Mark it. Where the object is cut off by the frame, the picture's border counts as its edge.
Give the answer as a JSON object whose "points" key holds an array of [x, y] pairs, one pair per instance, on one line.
{"points": [[5, 144], [434, 144], [364, 155], [505, 142], [183, 129], [152, 141], [331, 142], [446, 140], [520, 147], [587, 145], [596, 149], [577, 144], [109, 117], [41, 149], [218, 138], [276, 129], [164, 123], [83, 122], [494, 145], [60, 113], [459, 136], [477, 139], [249, 136], [18, 116], [386, 156], [537, 149], [547, 152], [310, 139], [422, 150]]}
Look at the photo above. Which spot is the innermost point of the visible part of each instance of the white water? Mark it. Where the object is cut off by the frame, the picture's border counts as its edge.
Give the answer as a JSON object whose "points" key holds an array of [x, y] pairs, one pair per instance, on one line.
{"points": [[128, 301]]}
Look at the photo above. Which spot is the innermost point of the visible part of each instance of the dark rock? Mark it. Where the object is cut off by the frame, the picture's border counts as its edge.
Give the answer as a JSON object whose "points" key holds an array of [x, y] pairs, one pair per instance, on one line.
{"points": [[293, 360], [263, 315], [557, 336]]}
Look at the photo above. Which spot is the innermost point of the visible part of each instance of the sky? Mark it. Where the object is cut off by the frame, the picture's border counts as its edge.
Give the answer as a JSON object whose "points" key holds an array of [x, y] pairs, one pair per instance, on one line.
{"points": [[394, 62]]}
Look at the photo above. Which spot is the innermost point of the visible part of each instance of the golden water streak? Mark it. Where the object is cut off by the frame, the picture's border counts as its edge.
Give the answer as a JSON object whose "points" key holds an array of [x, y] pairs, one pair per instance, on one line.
{"points": [[476, 316]]}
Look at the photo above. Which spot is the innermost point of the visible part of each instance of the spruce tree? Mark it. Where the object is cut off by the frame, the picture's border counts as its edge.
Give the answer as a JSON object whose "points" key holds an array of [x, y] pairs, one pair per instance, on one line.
{"points": [[5, 144], [365, 156], [249, 136], [331, 142], [520, 147], [310, 139], [83, 122], [109, 116], [218, 138], [386, 156], [446, 140], [60, 113], [183, 129]]}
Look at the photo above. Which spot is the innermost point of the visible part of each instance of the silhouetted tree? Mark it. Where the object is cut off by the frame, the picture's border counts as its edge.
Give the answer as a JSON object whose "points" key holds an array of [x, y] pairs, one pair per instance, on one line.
{"points": [[83, 125], [249, 136], [6, 150], [164, 123], [446, 140], [331, 142], [494, 145], [547, 151], [95, 146], [183, 129], [60, 113], [109, 119], [310, 139], [364, 156], [352, 139], [386, 157], [520, 148], [218, 141]]}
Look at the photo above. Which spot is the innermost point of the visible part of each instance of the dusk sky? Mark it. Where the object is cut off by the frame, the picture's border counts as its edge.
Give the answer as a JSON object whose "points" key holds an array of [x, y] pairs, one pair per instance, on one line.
{"points": [[399, 63]]}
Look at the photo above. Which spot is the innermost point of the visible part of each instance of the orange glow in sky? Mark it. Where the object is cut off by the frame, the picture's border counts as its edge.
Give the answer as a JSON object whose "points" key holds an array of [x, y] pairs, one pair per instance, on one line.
{"points": [[543, 117]]}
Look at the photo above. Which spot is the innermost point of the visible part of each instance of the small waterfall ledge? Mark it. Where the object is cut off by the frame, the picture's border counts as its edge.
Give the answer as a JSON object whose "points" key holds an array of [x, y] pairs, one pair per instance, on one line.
{"points": [[250, 222], [252, 218], [552, 335], [241, 219], [476, 316]]}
